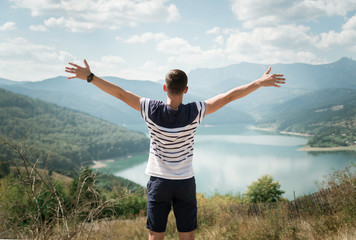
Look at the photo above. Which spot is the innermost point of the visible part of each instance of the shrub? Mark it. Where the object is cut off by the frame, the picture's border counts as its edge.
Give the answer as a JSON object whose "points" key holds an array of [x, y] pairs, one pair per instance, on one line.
{"points": [[264, 190]]}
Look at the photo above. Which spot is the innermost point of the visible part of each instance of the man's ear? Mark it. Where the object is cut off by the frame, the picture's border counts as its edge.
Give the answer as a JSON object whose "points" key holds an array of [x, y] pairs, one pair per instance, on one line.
{"points": [[165, 87], [186, 90]]}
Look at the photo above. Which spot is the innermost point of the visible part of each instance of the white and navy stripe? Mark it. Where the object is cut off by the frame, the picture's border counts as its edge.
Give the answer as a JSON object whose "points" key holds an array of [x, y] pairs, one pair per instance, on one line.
{"points": [[171, 137]]}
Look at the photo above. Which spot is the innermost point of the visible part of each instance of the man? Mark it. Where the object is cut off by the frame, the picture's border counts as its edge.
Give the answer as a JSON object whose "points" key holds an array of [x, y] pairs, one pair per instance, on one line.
{"points": [[172, 127]]}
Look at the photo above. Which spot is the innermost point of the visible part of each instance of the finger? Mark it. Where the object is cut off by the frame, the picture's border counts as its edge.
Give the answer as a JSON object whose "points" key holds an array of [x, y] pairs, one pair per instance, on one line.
{"points": [[277, 75], [71, 77], [69, 71], [69, 68], [268, 70], [75, 65], [280, 79], [86, 64]]}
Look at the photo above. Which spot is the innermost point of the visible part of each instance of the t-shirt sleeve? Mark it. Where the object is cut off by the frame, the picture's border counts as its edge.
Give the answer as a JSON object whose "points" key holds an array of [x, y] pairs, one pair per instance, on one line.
{"points": [[201, 110], [144, 105]]}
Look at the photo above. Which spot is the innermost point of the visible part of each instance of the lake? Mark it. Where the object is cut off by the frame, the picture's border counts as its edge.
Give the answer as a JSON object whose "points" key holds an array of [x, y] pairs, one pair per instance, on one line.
{"points": [[229, 158]]}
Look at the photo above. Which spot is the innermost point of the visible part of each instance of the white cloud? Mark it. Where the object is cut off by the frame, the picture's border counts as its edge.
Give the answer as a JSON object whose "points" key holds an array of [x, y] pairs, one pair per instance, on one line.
{"points": [[173, 13], [22, 48], [54, 22], [273, 12], [219, 40], [350, 24], [87, 15], [182, 52], [287, 44], [177, 46], [107, 64], [117, 66], [8, 26], [197, 59], [214, 30], [69, 23], [23, 60], [345, 38], [149, 70], [38, 28], [178, 50], [145, 37], [112, 59]]}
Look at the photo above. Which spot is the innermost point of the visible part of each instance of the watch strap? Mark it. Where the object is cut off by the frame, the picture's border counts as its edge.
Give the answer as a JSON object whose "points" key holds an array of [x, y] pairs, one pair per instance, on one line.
{"points": [[90, 77]]}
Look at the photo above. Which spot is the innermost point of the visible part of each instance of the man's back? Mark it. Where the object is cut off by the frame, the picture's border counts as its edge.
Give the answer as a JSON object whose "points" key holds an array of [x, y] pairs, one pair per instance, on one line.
{"points": [[172, 137]]}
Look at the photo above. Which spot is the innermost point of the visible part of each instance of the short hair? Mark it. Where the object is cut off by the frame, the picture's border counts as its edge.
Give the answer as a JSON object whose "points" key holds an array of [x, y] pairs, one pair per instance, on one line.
{"points": [[176, 81]]}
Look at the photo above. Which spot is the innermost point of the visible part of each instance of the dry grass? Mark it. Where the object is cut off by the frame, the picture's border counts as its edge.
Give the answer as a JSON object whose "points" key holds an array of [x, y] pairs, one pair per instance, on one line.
{"points": [[221, 219], [330, 215]]}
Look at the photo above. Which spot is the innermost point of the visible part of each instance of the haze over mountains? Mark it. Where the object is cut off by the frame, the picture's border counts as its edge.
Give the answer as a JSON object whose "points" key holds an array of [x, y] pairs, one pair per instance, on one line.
{"points": [[203, 84]]}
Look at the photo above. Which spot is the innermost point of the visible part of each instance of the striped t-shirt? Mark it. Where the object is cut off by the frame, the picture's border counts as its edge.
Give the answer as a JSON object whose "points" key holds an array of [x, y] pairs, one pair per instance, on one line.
{"points": [[171, 137]]}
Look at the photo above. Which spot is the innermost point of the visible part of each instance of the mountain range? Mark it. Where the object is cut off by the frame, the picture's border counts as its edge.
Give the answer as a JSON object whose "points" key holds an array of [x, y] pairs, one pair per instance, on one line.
{"points": [[302, 79]]}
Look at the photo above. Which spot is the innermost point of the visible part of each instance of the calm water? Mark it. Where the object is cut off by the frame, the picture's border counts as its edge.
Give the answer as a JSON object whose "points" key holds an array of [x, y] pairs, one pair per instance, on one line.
{"points": [[229, 158]]}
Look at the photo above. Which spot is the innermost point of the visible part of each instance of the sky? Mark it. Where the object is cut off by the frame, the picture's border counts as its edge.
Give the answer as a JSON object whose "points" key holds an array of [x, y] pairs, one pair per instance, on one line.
{"points": [[144, 39]]}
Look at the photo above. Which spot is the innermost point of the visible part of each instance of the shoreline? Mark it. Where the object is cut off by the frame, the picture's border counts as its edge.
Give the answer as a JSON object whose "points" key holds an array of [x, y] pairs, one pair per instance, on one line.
{"points": [[274, 130], [103, 163], [305, 148], [327, 149], [100, 163], [295, 134]]}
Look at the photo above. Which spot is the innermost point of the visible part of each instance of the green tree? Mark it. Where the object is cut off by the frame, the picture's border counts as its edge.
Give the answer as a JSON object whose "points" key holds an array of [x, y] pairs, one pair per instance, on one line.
{"points": [[265, 189]]}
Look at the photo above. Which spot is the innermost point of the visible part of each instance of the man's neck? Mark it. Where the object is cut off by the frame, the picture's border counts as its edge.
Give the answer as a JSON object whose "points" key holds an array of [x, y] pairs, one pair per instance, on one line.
{"points": [[174, 101]]}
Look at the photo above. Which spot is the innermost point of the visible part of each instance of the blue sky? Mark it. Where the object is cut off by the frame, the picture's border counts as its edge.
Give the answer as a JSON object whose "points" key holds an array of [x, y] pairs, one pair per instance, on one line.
{"points": [[143, 39]]}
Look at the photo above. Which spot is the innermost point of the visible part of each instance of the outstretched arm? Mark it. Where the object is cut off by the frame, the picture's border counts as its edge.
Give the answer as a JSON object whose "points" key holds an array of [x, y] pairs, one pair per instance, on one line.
{"points": [[267, 80], [83, 72]]}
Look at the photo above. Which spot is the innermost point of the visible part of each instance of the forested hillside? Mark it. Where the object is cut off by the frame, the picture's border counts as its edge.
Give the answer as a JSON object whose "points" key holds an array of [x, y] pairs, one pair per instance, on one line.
{"points": [[59, 137], [329, 115]]}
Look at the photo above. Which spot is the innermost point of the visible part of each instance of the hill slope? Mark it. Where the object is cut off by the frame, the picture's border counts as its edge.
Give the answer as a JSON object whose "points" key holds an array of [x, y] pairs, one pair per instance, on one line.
{"points": [[329, 114], [64, 137]]}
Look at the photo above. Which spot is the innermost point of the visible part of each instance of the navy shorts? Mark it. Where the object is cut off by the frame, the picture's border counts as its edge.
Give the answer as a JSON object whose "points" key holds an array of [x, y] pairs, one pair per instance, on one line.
{"points": [[162, 194]]}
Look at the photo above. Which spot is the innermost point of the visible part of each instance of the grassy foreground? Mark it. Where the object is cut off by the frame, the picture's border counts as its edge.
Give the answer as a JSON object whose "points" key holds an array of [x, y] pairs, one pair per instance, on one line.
{"points": [[220, 218], [90, 213], [328, 214]]}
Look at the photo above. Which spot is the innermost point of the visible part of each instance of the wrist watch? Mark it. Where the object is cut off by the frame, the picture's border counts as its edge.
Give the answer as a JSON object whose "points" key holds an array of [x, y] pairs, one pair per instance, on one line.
{"points": [[90, 77]]}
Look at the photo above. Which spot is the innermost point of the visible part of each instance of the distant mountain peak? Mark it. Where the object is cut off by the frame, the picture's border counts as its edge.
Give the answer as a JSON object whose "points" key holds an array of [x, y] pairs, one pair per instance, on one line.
{"points": [[345, 60]]}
